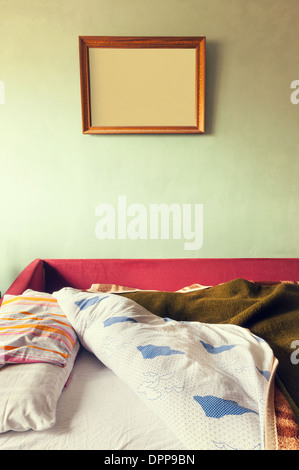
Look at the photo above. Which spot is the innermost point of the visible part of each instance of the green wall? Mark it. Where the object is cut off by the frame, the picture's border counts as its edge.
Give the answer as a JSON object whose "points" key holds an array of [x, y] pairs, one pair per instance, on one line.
{"points": [[244, 170]]}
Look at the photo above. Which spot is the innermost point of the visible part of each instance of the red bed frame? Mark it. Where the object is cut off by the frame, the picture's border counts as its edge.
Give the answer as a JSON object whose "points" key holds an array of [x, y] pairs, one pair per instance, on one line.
{"points": [[49, 275]]}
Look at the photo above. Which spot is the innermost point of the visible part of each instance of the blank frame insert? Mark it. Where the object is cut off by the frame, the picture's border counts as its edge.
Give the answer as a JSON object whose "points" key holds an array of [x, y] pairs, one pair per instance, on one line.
{"points": [[142, 87], [142, 84]]}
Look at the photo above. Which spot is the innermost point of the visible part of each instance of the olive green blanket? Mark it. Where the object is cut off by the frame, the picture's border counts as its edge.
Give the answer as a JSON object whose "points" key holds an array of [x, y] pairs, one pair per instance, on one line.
{"points": [[269, 311]]}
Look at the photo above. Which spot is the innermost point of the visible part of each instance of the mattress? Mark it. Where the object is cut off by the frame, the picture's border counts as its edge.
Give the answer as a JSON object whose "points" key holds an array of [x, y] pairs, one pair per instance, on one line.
{"points": [[96, 411]]}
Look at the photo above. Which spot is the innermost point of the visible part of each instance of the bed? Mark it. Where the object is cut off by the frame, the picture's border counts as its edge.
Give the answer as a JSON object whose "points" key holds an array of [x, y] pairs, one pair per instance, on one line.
{"points": [[112, 383]]}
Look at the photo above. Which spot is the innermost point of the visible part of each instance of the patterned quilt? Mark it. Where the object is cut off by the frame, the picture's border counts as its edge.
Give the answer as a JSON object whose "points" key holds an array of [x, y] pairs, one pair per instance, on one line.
{"points": [[211, 383]]}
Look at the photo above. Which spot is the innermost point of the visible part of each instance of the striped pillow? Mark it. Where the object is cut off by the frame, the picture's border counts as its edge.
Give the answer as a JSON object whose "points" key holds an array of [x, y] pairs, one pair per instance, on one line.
{"points": [[33, 328]]}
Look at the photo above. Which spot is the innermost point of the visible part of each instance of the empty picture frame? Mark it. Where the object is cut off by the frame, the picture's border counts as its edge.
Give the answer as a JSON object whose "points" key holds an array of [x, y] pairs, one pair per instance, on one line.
{"points": [[142, 85]]}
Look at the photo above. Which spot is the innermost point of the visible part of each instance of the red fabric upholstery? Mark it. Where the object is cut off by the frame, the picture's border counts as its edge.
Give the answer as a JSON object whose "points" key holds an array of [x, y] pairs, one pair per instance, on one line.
{"points": [[161, 274], [31, 277]]}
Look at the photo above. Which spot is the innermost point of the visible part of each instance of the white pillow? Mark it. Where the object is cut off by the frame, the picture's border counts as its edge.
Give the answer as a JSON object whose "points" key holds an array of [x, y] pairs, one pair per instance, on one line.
{"points": [[29, 391], [29, 394], [209, 383]]}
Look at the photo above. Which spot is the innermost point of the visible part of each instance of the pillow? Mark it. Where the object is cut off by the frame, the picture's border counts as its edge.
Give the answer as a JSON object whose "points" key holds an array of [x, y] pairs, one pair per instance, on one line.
{"points": [[211, 384], [33, 328], [30, 392], [31, 384]]}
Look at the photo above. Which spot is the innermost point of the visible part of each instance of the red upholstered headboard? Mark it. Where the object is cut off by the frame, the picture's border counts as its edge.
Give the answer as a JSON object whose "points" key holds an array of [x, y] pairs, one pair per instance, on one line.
{"points": [[161, 274]]}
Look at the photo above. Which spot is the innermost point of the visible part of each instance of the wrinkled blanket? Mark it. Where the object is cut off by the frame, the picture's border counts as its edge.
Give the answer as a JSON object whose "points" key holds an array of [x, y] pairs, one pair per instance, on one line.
{"points": [[269, 311], [210, 383]]}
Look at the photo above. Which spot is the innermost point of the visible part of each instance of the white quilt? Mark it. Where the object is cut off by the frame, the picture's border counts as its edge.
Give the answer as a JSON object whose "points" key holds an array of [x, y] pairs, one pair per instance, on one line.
{"points": [[209, 383]]}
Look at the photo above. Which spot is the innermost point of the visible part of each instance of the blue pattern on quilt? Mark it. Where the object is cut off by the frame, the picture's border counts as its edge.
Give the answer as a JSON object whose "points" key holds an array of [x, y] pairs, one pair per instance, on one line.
{"points": [[171, 319], [265, 373], [217, 349], [112, 320], [85, 303], [150, 351], [216, 407]]}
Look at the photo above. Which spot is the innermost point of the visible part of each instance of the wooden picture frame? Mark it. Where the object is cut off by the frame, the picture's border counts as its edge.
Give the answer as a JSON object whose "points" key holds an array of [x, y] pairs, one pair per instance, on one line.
{"points": [[142, 85]]}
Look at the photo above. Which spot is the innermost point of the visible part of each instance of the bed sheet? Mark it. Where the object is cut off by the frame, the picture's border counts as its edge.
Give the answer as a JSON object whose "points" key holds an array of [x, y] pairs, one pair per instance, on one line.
{"points": [[97, 411]]}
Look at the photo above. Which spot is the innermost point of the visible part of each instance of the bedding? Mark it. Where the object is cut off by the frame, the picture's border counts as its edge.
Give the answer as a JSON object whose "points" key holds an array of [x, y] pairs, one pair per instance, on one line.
{"points": [[30, 393], [38, 348], [211, 384], [269, 311], [94, 408], [287, 427], [96, 411]]}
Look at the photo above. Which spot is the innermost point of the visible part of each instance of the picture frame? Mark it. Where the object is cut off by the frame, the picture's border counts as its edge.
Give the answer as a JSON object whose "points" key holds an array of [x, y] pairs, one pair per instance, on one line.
{"points": [[142, 85]]}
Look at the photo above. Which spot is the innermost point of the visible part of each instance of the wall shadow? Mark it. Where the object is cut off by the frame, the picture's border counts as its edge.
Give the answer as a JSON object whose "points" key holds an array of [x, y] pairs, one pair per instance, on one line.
{"points": [[213, 61]]}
